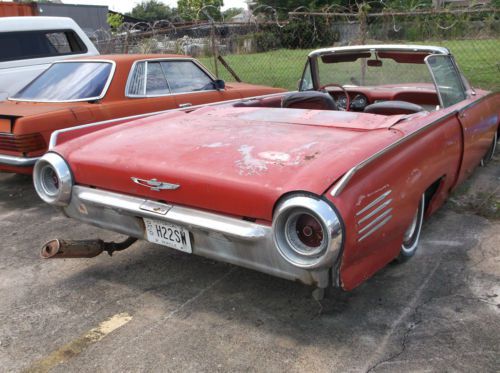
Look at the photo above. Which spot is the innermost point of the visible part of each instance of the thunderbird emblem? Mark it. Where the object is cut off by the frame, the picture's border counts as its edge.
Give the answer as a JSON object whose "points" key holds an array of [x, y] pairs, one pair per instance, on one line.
{"points": [[155, 185]]}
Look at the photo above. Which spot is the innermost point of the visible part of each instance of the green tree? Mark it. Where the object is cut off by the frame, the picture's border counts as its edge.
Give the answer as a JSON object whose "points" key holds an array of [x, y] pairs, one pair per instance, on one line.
{"points": [[198, 9], [115, 20], [231, 12], [153, 10], [283, 7], [409, 5]]}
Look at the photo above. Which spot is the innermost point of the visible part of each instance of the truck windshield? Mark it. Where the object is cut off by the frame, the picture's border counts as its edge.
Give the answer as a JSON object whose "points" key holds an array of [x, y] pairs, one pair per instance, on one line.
{"points": [[68, 81]]}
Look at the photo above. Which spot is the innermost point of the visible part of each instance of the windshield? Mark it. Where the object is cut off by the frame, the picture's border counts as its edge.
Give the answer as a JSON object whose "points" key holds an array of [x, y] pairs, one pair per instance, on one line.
{"points": [[373, 69], [68, 81], [448, 81]]}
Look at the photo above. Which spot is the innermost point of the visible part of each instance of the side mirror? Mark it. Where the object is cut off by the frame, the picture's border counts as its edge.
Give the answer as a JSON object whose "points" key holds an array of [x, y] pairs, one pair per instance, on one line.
{"points": [[219, 84]]}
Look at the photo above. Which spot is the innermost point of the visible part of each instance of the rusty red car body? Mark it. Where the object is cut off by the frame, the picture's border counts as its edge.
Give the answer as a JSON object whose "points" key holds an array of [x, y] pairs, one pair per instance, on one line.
{"points": [[281, 184]]}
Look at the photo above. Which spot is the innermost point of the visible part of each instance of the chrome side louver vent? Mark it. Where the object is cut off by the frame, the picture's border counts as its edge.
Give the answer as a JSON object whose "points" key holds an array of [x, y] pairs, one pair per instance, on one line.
{"points": [[374, 215]]}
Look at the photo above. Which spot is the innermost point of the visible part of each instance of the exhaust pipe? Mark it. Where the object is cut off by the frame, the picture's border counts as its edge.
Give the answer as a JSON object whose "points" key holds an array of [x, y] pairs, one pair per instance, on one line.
{"points": [[82, 249]]}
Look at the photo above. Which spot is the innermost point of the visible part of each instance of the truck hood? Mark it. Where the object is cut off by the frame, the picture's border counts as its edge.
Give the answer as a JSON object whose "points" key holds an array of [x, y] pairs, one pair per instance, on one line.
{"points": [[236, 161]]}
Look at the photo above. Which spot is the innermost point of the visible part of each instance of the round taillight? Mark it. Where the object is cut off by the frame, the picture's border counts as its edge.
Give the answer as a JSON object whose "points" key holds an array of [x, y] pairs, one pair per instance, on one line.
{"points": [[49, 181], [305, 233], [309, 230]]}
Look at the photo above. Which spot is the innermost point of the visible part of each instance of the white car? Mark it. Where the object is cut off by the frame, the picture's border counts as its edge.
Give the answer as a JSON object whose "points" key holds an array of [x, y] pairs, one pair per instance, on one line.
{"points": [[28, 45]]}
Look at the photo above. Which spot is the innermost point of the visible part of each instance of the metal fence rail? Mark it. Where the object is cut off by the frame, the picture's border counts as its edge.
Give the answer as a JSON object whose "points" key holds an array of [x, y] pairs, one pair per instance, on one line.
{"points": [[272, 52]]}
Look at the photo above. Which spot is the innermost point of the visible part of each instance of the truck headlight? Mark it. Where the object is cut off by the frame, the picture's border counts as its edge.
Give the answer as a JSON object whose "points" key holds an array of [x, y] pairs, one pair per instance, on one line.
{"points": [[307, 232], [53, 180]]}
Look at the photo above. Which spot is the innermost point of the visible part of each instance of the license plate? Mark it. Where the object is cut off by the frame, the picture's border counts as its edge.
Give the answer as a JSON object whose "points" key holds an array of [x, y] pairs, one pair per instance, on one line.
{"points": [[167, 234]]}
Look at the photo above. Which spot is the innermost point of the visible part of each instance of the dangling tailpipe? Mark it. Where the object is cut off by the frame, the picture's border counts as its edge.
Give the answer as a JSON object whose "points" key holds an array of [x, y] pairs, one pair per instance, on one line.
{"points": [[82, 249]]}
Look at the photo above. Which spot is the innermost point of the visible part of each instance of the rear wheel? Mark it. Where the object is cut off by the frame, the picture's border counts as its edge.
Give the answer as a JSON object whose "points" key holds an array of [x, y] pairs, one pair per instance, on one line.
{"points": [[412, 234], [491, 151]]}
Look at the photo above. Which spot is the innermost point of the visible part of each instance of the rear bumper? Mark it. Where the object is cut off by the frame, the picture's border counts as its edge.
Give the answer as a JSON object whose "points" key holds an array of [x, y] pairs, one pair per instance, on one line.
{"points": [[12, 161], [214, 236]]}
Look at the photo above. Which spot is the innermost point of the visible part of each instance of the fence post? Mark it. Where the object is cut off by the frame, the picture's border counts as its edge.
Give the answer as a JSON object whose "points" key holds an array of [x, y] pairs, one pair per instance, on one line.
{"points": [[214, 49], [363, 30], [363, 23], [126, 42]]}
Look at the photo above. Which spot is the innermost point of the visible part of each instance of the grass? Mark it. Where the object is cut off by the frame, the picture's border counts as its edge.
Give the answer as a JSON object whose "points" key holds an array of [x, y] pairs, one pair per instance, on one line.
{"points": [[479, 60]]}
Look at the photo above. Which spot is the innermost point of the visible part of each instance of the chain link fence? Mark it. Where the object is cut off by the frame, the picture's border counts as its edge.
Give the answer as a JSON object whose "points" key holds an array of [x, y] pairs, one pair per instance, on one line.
{"points": [[269, 51]]}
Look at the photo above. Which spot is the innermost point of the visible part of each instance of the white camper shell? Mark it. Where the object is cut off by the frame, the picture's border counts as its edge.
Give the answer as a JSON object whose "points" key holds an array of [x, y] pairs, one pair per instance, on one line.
{"points": [[28, 45]]}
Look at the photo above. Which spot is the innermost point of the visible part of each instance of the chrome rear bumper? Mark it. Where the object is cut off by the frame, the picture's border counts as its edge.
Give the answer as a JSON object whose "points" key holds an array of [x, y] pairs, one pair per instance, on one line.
{"points": [[13, 161], [214, 236]]}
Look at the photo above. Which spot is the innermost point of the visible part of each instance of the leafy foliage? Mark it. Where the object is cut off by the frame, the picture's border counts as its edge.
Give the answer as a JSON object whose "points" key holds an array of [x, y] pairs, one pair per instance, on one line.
{"points": [[200, 9], [300, 34], [408, 5], [308, 34], [230, 13], [115, 20], [153, 10], [284, 6]]}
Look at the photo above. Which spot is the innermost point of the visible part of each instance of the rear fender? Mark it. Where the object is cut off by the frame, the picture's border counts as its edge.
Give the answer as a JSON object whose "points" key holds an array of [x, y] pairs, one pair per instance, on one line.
{"points": [[379, 199]]}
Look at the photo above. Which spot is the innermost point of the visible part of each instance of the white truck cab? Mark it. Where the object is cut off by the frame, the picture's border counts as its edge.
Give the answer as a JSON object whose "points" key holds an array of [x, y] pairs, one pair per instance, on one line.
{"points": [[28, 45]]}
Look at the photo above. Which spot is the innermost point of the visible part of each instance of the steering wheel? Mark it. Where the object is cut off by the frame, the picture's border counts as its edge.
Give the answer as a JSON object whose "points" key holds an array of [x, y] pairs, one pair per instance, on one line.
{"points": [[348, 99]]}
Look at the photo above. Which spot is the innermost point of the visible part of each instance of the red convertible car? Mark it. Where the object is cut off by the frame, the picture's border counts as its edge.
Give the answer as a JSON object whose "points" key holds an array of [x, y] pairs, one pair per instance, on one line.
{"points": [[324, 186], [79, 91]]}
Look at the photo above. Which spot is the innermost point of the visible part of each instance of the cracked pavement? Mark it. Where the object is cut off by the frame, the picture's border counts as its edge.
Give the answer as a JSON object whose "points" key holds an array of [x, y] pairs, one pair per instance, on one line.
{"points": [[437, 312]]}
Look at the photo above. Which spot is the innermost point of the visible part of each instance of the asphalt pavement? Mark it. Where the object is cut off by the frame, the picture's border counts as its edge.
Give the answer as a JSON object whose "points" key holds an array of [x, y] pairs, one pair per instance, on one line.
{"points": [[154, 309]]}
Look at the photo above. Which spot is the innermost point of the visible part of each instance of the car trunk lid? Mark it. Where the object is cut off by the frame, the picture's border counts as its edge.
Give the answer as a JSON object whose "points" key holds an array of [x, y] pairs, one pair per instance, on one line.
{"points": [[238, 161]]}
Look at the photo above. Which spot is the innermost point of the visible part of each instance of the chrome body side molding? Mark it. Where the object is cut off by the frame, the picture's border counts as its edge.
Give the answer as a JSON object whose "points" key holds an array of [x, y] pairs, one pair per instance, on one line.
{"points": [[342, 183]]}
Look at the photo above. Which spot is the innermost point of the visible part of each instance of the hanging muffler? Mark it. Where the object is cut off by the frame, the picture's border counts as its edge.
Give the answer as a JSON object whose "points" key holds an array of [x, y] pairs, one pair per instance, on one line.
{"points": [[83, 248]]}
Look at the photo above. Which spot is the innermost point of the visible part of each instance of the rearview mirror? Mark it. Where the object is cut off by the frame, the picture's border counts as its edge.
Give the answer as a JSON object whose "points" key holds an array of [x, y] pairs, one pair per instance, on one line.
{"points": [[219, 84], [374, 63]]}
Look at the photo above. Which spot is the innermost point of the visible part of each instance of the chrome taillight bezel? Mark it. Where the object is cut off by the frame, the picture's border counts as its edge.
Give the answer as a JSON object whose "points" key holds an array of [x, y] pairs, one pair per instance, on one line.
{"points": [[48, 166], [330, 221]]}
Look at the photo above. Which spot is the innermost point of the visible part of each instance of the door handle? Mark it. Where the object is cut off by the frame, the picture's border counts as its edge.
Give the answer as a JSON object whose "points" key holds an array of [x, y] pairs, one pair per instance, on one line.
{"points": [[187, 104]]}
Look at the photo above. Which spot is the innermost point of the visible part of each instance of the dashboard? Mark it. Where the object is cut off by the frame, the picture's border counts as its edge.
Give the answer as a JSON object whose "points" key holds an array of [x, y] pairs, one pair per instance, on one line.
{"points": [[358, 102], [361, 97]]}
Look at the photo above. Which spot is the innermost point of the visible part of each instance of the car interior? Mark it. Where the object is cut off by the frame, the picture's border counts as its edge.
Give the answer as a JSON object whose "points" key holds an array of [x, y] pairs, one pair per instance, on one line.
{"points": [[371, 95]]}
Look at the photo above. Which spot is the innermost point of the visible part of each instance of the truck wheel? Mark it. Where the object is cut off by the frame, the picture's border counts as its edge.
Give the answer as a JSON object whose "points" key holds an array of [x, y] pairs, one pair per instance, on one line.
{"points": [[412, 234]]}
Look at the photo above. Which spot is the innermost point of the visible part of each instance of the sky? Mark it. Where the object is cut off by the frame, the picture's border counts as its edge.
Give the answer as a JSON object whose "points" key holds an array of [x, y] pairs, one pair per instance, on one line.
{"points": [[123, 6]]}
